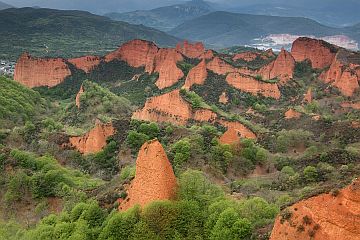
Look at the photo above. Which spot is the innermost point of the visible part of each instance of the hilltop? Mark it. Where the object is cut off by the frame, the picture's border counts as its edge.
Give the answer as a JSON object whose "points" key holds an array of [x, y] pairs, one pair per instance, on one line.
{"points": [[49, 32]]}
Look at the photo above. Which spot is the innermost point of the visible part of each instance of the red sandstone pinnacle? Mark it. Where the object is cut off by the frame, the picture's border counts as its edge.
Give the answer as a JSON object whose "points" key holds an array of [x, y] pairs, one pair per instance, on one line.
{"points": [[165, 64], [319, 52], [343, 74], [219, 66], [223, 98], [292, 114], [86, 63], [326, 216], [197, 75], [37, 72], [78, 95], [95, 140], [283, 67], [251, 85], [154, 178], [190, 50]]}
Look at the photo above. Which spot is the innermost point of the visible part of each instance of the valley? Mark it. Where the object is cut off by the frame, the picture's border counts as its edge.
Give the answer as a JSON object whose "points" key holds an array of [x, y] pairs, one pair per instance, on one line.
{"points": [[181, 141]]}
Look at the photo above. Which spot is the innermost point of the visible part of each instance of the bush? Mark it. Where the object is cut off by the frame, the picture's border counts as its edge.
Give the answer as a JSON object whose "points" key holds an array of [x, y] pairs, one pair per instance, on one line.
{"points": [[152, 130], [135, 140], [181, 152], [310, 174], [127, 173]]}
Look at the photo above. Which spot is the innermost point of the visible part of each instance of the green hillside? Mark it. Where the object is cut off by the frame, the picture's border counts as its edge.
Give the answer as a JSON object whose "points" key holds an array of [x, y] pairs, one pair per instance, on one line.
{"points": [[48, 32], [18, 103]]}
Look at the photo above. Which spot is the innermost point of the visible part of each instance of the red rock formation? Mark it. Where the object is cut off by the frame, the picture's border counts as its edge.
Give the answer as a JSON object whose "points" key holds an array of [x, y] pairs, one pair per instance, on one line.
{"points": [[137, 53], [95, 140], [327, 216], [154, 178], [165, 64], [169, 107], [191, 50], [223, 98], [343, 74], [251, 85], [308, 96], [197, 75], [269, 53], [319, 52], [219, 66], [37, 72], [291, 114], [243, 131], [140, 53], [204, 115], [283, 67], [353, 105], [78, 95], [208, 54], [231, 136], [86, 63], [246, 56]]}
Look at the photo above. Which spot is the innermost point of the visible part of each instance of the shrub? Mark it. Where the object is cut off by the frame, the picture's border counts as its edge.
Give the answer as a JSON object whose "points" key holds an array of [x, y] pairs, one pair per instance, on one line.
{"points": [[127, 173], [152, 130], [310, 174], [135, 140], [181, 151]]}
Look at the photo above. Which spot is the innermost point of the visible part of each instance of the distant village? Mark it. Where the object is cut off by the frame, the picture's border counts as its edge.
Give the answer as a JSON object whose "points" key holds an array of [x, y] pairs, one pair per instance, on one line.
{"points": [[7, 67]]}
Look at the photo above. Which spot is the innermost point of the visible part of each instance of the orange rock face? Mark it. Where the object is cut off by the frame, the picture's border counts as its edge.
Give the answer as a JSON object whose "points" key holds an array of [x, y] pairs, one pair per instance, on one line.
{"points": [[343, 74], [282, 68], [208, 54], [86, 63], [78, 95], [137, 53], [219, 66], [246, 56], [191, 50], [93, 141], [291, 113], [37, 72], [204, 115], [223, 98], [243, 132], [353, 105], [308, 96], [169, 107], [165, 64], [323, 217], [231, 136], [197, 75], [251, 85], [154, 178], [319, 52], [140, 53]]}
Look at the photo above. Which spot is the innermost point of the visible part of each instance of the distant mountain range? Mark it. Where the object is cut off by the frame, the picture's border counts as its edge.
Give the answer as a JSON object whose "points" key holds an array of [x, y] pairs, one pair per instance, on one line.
{"points": [[48, 32], [165, 18], [4, 5], [223, 29]]}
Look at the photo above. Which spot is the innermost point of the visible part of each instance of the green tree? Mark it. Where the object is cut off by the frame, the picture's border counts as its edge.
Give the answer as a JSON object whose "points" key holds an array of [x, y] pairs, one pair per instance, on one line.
{"points": [[135, 140]]}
